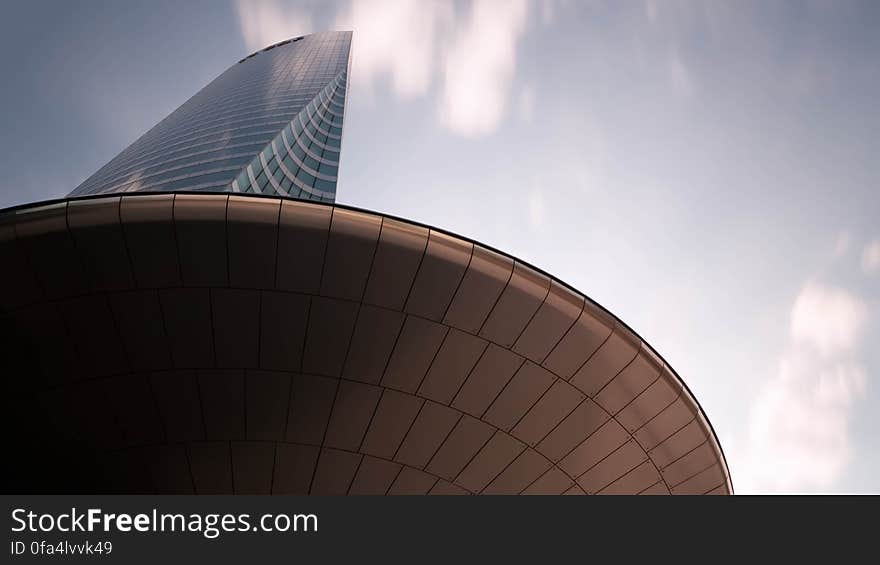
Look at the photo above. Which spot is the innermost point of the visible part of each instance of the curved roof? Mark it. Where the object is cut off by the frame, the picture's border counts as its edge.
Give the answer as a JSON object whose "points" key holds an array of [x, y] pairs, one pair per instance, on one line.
{"points": [[220, 343]]}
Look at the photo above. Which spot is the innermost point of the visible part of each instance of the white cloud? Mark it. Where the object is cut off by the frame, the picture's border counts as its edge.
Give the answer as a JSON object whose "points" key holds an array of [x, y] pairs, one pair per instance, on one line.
{"points": [[680, 79], [798, 428], [479, 66], [526, 105], [548, 11], [830, 320], [651, 11], [798, 436], [467, 50], [264, 22], [397, 38], [842, 244], [871, 258], [537, 212]]}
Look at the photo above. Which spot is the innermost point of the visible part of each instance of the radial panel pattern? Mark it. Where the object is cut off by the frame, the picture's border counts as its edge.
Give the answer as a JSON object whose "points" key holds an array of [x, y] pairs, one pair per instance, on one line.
{"points": [[237, 343]]}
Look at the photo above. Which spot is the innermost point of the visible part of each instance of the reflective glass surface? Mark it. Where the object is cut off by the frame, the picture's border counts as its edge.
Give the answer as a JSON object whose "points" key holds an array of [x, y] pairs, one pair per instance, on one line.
{"points": [[271, 123]]}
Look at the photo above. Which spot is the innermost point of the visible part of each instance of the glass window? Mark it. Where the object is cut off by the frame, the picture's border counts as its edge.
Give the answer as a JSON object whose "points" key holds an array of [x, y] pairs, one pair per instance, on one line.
{"points": [[305, 177], [262, 181], [299, 152], [271, 164], [209, 178], [325, 185], [288, 162], [243, 179], [327, 169]]}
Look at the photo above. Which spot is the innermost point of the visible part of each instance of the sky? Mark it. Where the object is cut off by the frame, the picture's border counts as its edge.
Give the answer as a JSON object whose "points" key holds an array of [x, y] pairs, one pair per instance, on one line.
{"points": [[708, 171]]}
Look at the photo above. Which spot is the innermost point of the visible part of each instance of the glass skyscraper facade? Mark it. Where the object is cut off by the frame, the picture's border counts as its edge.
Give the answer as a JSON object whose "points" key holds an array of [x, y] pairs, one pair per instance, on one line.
{"points": [[270, 124]]}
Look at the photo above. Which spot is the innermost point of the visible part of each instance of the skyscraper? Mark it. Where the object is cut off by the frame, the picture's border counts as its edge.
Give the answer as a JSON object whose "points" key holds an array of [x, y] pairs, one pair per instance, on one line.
{"points": [[270, 124], [200, 316]]}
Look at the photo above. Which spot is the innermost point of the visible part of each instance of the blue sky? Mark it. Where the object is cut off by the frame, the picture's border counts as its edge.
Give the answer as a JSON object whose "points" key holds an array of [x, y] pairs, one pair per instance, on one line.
{"points": [[706, 170]]}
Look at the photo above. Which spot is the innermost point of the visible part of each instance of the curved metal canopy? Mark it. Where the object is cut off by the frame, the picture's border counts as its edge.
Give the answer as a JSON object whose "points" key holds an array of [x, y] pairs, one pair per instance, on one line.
{"points": [[229, 343]]}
